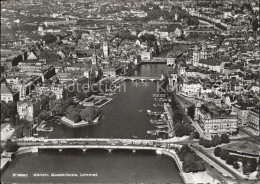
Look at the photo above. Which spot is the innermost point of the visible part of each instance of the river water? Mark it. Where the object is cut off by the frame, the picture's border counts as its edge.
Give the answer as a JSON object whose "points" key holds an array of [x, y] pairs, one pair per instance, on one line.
{"points": [[123, 117]]}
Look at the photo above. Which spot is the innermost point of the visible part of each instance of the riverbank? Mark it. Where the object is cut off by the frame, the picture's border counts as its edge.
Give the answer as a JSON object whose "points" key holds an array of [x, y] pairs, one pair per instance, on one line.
{"points": [[199, 177], [169, 113], [82, 123]]}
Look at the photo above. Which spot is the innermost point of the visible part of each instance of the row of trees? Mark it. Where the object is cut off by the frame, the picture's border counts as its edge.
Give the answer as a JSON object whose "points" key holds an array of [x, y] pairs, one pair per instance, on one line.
{"points": [[9, 110], [191, 161], [181, 128], [249, 164], [216, 140], [23, 128], [78, 113]]}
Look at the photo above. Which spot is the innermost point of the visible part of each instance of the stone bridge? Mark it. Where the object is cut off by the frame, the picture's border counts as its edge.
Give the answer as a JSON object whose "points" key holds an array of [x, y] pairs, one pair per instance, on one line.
{"points": [[152, 79]]}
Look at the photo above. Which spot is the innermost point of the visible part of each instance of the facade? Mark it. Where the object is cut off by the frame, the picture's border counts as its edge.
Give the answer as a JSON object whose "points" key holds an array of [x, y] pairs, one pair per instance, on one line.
{"points": [[253, 120], [146, 56], [170, 59], [109, 71], [197, 54], [191, 89], [242, 113], [7, 94], [28, 109], [214, 120], [59, 22]]}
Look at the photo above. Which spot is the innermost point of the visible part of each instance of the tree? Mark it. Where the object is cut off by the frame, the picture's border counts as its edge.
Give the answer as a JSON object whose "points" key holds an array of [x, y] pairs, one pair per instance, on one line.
{"points": [[43, 116], [177, 115], [223, 154], [196, 135], [182, 129], [183, 151], [230, 159], [87, 114], [246, 167], [201, 140], [217, 151], [11, 146], [191, 111], [71, 108], [253, 165], [60, 106], [74, 116], [207, 143], [224, 138], [90, 113], [24, 128], [236, 165], [193, 21], [215, 141]]}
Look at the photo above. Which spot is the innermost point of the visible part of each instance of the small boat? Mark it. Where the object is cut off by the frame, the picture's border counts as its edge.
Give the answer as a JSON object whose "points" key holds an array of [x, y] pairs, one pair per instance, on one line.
{"points": [[149, 131], [47, 129], [154, 133], [140, 111], [135, 137], [162, 126]]}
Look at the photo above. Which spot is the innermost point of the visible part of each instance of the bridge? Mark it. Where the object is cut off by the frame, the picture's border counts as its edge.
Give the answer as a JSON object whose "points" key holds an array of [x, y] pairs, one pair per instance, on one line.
{"points": [[183, 42], [160, 147], [152, 79], [90, 143], [154, 60], [84, 144]]}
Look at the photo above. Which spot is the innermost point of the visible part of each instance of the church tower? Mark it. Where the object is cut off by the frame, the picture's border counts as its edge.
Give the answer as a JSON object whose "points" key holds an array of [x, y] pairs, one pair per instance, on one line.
{"points": [[105, 47], [94, 55]]}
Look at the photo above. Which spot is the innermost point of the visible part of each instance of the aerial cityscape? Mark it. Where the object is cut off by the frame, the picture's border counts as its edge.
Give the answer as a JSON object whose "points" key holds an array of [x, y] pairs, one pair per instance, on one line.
{"points": [[128, 91]]}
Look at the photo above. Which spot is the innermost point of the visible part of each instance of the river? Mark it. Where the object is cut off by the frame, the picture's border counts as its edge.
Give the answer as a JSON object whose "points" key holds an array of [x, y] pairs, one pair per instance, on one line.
{"points": [[123, 117]]}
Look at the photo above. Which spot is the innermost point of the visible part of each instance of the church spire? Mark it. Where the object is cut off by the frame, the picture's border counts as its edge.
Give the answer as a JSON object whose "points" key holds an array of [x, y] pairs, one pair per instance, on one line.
{"points": [[94, 57]]}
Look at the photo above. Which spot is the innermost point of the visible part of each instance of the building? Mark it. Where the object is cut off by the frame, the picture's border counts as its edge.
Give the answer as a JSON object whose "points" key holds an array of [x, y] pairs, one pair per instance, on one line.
{"points": [[28, 109], [253, 120], [7, 94], [173, 79], [214, 120], [197, 54], [59, 22], [190, 88], [109, 72], [146, 55], [242, 113], [170, 59]]}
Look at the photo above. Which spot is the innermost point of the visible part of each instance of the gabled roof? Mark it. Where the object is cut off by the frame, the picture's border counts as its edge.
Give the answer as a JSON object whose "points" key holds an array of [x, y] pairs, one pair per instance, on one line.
{"points": [[6, 90]]}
